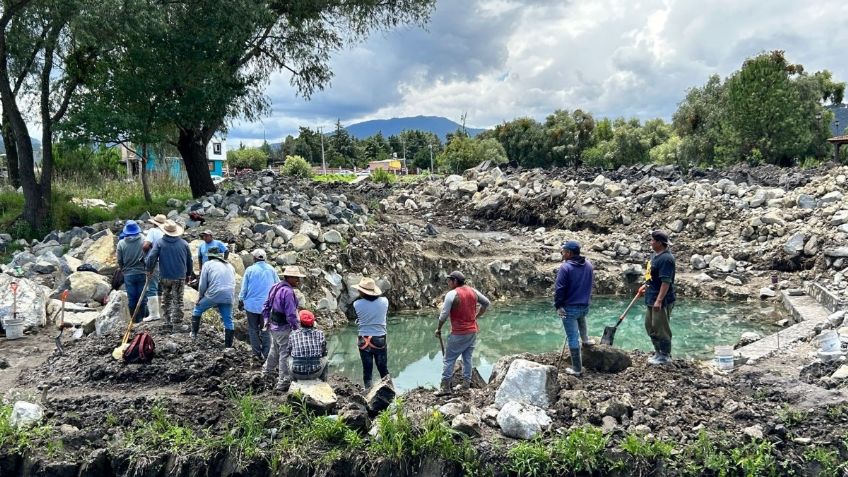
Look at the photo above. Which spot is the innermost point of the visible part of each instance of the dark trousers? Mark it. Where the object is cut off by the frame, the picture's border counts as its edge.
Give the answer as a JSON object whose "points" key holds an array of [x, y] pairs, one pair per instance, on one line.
{"points": [[260, 341], [371, 355]]}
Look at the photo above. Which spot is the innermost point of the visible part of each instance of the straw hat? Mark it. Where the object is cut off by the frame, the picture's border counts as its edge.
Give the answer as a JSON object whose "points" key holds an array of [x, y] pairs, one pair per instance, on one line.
{"points": [[293, 271], [172, 229], [158, 220], [367, 286]]}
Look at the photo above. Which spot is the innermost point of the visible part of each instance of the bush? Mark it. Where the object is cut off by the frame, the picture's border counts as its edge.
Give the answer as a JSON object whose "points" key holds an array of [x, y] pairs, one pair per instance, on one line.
{"points": [[251, 158], [86, 162], [382, 176], [296, 166]]}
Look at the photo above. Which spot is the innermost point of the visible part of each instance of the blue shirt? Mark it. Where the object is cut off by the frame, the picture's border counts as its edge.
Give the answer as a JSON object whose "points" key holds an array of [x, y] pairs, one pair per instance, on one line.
{"points": [[574, 283], [371, 316], [173, 256], [257, 282], [663, 267], [203, 256]]}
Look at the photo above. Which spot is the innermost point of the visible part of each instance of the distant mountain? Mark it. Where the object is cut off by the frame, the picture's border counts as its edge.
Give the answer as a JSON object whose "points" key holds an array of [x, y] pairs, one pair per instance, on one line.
{"points": [[434, 124], [36, 144], [841, 118]]}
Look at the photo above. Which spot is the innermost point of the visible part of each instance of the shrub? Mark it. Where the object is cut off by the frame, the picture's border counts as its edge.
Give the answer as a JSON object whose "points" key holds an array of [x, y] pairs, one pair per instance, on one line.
{"points": [[755, 459], [382, 176], [250, 158], [581, 450], [296, 166], [530, 459]]}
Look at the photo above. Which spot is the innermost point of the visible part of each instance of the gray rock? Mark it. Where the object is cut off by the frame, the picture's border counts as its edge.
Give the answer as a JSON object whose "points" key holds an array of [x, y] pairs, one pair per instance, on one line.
{"points": [[311, 230], [301, 242], [452, 409], [528, 382], [616, 407], [115, 315], [468, 424], [697, 262], [806, 201], [87, 286], [766, 292], [836, 252], [830, 197], [812, 246], [318, 395], [522, 421], [25, 414], [380, 396], [725, 265], [676, 226], [31, 300], [795, 244], [839, 218], [747, 338], [332, 237], [287, 258]]}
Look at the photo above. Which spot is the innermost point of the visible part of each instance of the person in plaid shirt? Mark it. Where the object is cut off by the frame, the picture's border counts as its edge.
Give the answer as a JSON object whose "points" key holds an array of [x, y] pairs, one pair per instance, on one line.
{"points": [[307, 350]]}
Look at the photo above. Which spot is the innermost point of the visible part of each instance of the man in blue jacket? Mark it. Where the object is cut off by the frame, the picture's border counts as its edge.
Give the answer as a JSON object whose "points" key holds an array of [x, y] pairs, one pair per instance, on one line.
{"points": [[174, 258], [572, 296], [255, 286]]}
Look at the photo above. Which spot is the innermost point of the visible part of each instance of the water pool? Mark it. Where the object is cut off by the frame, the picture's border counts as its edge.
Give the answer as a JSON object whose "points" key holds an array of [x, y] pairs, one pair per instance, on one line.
{"points": [[415, 358]]}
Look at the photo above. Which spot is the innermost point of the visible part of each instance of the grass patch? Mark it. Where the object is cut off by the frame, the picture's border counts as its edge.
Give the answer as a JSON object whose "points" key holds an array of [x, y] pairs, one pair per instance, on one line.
{"points": [[328, 178], [704, 456], [160, 433], [581, 450], [413, 178], [828, 461], [755, 459], [20, 439], [792, 417], [646, 450], [382, 176], [530, 459]]}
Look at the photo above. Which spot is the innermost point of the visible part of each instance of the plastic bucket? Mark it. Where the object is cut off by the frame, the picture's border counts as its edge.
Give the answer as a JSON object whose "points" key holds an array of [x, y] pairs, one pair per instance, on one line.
{"points": [[829, 341], [14, 329], [724, 357]]}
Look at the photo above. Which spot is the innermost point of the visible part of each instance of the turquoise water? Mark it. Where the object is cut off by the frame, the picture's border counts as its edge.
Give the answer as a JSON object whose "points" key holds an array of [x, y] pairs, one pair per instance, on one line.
{"points": [[415, 358]]}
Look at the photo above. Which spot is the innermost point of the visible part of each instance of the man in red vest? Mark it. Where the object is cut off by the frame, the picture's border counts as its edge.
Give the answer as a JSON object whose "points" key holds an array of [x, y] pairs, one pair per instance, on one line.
{"points": [[461, 305]]}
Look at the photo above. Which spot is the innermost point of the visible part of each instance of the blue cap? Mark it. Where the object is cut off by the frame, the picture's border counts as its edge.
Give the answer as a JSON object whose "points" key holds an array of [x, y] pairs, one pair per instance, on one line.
{"points": [[131, 228], [571, 245]]}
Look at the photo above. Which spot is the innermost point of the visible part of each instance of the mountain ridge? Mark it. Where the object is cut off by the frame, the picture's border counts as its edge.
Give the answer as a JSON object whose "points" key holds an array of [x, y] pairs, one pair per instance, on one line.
{"points": [[438, 125]]}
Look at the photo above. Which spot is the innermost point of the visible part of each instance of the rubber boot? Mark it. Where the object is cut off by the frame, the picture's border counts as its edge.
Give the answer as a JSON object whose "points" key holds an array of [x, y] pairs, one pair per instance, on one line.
{"points": [[466, 385], [152, 309], [228, 338], [445, 388], [576, 368], [195, 327]]}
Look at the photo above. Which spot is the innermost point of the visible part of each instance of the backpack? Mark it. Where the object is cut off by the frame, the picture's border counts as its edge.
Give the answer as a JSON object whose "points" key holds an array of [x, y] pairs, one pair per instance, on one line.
{"points": [[140, 350], [276, 317]]}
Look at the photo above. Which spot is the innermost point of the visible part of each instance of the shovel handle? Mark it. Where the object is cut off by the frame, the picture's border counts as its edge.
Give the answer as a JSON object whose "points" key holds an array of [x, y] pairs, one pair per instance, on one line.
{"points": [[626, 310]]}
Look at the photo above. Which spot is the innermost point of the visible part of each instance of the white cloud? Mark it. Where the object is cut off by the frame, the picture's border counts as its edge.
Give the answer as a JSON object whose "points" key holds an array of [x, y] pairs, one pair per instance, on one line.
{"points": [[498, 60]]}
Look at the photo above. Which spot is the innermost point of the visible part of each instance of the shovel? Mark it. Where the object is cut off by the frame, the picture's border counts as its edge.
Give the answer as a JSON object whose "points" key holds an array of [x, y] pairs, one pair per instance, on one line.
{"points": [[609, 331], [62, 325], [118, 353], [442, 342]]}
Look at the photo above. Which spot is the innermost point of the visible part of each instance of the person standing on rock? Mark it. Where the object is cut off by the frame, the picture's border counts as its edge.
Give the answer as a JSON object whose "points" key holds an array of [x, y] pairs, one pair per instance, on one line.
{"points": [[217, 288], [173, 257], [280, 317], [153, 236], [461, 306], [255, 286], [572, 296], [308, 350], [208, 243], [371, 309], [130, 253], [659, 297]]}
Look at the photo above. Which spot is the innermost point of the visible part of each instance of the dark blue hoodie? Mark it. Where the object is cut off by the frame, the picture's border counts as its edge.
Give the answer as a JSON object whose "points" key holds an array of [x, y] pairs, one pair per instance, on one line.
{"points": [[574, 283]]}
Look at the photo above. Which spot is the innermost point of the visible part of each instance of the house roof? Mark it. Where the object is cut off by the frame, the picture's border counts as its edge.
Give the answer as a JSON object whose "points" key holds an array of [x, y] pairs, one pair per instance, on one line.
{"points": [[839, 139]]}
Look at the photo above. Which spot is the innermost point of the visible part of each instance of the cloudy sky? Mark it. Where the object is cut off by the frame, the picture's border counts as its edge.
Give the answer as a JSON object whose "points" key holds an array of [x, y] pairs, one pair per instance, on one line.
{"points": [[502, 59]]}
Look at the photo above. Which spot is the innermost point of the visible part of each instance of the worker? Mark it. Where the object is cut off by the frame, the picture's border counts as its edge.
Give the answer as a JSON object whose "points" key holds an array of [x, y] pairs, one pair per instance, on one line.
{"points": [[572, 296], [257, 282], [307, 349], [217, 290], [659, 296], [279, 315], [371, 309]]}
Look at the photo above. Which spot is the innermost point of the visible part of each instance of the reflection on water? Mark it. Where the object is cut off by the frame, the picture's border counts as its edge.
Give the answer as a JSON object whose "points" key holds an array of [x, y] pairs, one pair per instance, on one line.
{"points": [[415, 358]]}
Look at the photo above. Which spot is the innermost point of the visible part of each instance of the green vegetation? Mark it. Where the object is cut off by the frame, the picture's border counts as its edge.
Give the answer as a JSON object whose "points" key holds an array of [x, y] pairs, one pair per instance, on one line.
{"points": [[160, 433], [792, 417], [347, 178], [296, 166], [755, 459], [22, 438], [382, 176], [646, 450], [530, 459], [706, 455], [828, 460], [581, 450], [464, 153], [248, 158]]}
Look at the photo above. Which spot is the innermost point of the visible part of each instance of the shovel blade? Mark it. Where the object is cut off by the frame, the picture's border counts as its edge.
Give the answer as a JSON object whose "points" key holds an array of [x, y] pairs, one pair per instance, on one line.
{"points": [[609, 335]]}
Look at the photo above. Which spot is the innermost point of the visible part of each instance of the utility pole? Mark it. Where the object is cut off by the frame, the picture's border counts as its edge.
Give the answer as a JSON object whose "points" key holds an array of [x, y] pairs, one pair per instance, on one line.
{"points": [[431, 158], [323, 162]]}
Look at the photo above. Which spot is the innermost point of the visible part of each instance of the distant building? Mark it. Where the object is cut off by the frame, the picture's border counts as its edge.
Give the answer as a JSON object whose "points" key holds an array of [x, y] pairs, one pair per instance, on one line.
{"points": [[391, 165], [216, 154]]}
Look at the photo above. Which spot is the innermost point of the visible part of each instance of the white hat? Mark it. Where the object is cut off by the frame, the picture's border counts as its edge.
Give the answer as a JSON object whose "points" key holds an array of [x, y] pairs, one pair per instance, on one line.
{"points": [[158, 220], [258, 254], [293, 271], [367, 286], [172, 229]]}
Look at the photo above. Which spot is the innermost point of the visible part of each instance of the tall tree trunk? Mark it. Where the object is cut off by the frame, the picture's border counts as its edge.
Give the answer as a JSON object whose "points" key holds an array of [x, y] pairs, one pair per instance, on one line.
{"points": [[11, 153], [144, 186], [192, 147]]}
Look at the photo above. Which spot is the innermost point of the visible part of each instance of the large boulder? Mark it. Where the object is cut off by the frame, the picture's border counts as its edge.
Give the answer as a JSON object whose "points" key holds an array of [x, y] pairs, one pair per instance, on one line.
{"points": [[380, 396], [317, 395], [115, 315], [101, 255], [605, 359], [31, 300], [301, 242], [468, 424], [310, 229], [87, 286], [522, 421], [528, 382], [25, 414]]}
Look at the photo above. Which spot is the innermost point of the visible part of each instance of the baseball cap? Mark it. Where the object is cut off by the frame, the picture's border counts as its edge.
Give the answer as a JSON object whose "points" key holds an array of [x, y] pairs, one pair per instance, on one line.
{"points": [[661, 237], [258, 254], [457, 275], [572, 245], [307, 318]]}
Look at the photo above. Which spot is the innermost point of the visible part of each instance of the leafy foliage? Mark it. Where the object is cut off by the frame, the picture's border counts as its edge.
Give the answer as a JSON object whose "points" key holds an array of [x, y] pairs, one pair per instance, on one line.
{"points": [[249, 158], [297, 166], [382, 176]]}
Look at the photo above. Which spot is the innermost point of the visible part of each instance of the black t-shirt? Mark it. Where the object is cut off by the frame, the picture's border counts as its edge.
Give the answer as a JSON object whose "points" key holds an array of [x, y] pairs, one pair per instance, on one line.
{"points": [[662, 270]]}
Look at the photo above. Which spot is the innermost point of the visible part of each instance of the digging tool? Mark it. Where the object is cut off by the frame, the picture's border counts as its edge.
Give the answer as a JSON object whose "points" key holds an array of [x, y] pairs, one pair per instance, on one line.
{"points": [[61, 325], [609, 331], [562, 355], [14, 287], [118, 353], [442, 343]]}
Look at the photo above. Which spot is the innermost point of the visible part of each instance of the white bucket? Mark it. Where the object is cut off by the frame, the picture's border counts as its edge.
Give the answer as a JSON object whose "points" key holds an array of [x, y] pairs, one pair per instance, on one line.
{"points": [[829, 341], [14, 329], [724, 357]]}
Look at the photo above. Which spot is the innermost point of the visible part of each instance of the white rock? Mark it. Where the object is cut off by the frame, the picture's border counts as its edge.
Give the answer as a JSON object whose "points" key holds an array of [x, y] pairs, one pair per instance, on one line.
{"points": [[311, 230], [101, 255], [529, 383], [115, 314], [25, 414], [522, 421], [87, 286], [766, 292], [333, 237], [31, 301], [301, 242]]}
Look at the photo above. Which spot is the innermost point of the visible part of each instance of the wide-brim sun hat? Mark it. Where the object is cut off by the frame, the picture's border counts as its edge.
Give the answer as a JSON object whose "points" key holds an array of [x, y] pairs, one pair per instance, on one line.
{"points": [[172, 229], [293, 271], [367, 286], [158, 220], [131, 228], [215, 252]]}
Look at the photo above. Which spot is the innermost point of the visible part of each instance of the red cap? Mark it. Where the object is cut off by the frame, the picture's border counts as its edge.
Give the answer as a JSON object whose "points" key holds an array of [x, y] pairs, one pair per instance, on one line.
{"points": [[307, 319]]}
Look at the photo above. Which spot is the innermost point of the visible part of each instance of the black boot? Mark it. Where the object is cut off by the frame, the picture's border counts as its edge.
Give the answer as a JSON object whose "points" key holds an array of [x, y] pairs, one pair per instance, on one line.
{"points": [[195, 326], [228, 338], [576, 368]]}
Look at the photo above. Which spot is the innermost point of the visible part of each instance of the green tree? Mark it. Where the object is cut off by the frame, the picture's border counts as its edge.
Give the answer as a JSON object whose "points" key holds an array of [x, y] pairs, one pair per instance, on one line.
{"points": [[568, 136], [249, 158], [297, 166], [524, 141], [698, 121], [464, 153]]}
